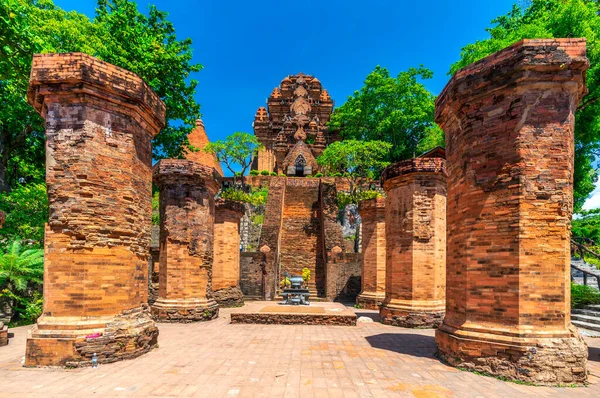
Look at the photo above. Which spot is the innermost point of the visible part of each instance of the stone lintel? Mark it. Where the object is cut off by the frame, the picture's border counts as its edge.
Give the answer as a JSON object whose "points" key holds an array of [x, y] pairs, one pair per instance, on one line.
{"points": [[411, 166], [74, 74], [170, 171], [529, 61]]}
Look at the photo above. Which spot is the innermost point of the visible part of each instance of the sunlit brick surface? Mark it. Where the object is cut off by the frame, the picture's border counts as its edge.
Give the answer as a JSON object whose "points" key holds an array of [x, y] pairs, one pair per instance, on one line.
{"points": [[509, 124]]}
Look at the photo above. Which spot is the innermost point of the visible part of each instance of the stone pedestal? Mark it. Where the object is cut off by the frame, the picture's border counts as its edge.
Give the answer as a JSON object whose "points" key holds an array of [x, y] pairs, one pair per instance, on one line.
{"points": [[187, 213], [509, 135], [100, 121], [415, 222], [226, 264], [372, 213]]}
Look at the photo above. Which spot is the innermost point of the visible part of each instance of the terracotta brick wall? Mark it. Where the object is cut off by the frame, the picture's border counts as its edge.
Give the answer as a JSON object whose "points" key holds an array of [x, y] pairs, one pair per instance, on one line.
{"points": [[271, 233], [100, 120], [226, 264], [373, 279], [415, 222], [509, 137], [251, 278], [187, 213]]}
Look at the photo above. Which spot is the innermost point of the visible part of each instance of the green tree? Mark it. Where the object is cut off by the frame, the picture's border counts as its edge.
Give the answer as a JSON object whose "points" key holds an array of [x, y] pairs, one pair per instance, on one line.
{"points": [[238, 149], [26, 208], [119, 34], [20, 269], [548, 19], [398, 110], [355, 159]]}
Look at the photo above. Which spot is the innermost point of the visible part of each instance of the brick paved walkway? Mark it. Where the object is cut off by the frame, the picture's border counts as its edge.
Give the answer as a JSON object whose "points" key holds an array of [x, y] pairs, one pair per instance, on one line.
{"points": [[217, 359]]}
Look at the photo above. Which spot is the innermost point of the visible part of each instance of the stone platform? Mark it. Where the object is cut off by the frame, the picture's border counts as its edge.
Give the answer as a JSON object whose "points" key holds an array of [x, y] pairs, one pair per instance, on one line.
{"points": [[271, 312]]}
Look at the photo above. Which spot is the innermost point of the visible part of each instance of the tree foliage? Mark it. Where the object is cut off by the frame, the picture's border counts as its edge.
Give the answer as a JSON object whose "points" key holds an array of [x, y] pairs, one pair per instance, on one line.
{"points": [[355, 159], [238, 149], [26, 208], [119, 34], [548, 19], [397, 110]]}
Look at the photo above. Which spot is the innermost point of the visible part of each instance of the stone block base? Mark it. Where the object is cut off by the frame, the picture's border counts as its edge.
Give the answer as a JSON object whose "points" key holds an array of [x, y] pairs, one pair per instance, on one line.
{"points": [[72, 341], [544, 361], [3, 335], [230, 297], [369, 301], [184, 311], [411, 319]]}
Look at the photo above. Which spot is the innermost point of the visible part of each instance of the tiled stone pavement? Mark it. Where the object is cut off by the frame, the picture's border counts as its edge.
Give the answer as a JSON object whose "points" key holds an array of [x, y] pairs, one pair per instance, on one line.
{"points": [[217, 359]]}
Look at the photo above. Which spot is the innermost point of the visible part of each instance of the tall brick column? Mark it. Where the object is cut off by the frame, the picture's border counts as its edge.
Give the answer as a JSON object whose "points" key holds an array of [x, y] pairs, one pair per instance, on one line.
{"points": [[100, 120], [372, 292], [226, 265], [509, 134], [415, 223], [187, 214]]}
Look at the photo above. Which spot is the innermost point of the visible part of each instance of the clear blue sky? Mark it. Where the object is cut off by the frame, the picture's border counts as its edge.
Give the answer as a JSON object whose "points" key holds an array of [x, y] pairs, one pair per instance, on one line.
{"points": [[247, 47]]}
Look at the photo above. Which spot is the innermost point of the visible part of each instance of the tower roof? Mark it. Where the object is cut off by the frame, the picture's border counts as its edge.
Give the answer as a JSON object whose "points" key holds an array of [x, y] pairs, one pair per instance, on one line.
{"points": [[198, 139]]}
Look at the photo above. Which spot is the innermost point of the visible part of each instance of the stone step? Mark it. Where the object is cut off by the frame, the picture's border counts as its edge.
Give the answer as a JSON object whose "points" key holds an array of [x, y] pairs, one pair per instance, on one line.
{"points": [[595, 307], [586, 311], [585, 325], [586, 318]]}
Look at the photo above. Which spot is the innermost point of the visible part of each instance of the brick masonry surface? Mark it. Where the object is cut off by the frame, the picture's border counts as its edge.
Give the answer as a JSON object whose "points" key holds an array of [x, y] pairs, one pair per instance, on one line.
{"points": [[226, 264], [372, 292], [509, 124], [187, 214], [100, 120], [415, 222], [219, 359], [251, 275]]}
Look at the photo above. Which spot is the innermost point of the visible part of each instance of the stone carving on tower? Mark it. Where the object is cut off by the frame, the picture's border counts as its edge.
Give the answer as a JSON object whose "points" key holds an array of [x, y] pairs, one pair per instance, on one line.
{"points": [[292, 128]]}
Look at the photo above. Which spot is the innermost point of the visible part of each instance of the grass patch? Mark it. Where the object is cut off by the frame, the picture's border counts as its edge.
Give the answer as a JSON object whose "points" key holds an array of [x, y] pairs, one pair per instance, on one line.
{"points": [[582, 295]]}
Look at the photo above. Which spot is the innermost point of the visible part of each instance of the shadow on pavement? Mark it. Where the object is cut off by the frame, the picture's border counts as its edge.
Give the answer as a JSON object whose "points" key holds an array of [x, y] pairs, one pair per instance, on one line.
{"points": [[416, 345]]}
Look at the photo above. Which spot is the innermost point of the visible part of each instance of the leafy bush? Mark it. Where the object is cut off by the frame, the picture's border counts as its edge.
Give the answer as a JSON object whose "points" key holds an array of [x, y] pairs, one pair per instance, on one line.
{"points": [[254, 172], [273, 173], [257, 219], [265, 173], [319, 174], [281, 175], [26, 209], [256, 197], [346, 198], [582, 295], [21, 273]]}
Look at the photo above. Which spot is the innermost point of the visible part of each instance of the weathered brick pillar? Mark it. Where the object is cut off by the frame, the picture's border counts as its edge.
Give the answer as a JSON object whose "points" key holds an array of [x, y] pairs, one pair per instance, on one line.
{"points": [[415, 223], [509, 134], [372, 213], [100, 120], [187, 214], [226, 264]]}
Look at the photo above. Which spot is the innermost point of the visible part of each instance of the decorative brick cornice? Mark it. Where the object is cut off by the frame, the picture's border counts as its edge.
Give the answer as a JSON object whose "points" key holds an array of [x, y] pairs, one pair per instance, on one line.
{"points": [[375, 205], [529, 61], [77, 74], [416, 165], [228, 206], [178, 171]]}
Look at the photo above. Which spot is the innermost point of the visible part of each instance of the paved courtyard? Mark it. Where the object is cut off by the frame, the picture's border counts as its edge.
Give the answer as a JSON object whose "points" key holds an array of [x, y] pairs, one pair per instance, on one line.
{"points": [[218, 359]]}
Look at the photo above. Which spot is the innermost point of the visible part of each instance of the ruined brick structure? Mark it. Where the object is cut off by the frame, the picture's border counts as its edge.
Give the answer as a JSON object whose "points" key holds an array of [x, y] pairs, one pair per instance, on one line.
{"points": [[373, 253], [226, 264], [296, 114], [3, 334], [301, 231], [187, 214], [415, 222], [100, 120], [509, 124]]}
